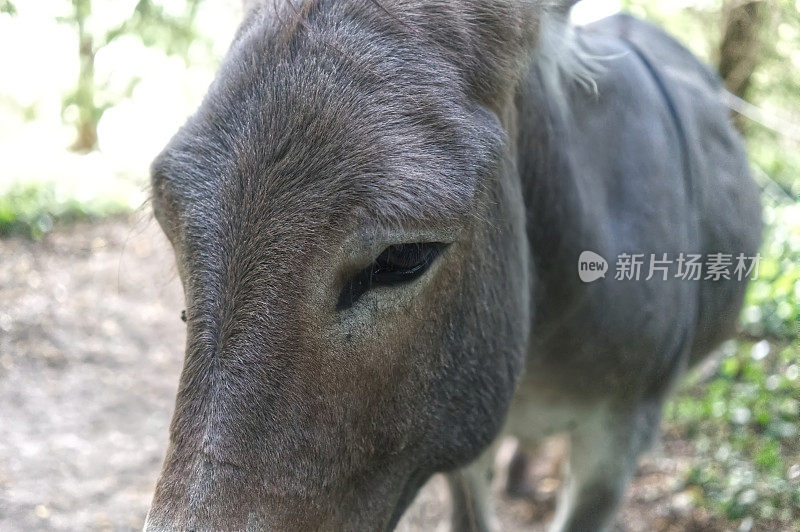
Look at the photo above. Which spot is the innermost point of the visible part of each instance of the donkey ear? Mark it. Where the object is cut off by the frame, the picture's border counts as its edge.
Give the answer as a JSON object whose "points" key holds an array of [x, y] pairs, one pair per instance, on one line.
{"points": [[505, 34], [501, 34], [489, 41]]}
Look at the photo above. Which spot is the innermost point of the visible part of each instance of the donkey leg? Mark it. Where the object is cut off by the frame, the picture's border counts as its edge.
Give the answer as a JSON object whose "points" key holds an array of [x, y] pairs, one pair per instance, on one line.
{"points": [[602, 458], [514, 466], [469, 491], [516, 482]]}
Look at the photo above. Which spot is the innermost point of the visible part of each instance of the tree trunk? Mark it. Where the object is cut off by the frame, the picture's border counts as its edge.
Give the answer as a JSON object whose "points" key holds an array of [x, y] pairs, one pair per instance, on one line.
{"points": [[740, 49], [88, 115]]}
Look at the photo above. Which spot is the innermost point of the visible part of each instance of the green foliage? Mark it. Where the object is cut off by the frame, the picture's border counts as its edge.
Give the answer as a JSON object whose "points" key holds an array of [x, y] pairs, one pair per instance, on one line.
{"points": [[773, 299], [744, 421], [31, 209], [156, 26], [7, 7], [152, 23]]}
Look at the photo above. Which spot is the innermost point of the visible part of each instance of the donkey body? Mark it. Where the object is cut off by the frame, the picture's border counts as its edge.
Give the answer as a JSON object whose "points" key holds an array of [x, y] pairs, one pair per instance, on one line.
{"points": [[377, 215]]}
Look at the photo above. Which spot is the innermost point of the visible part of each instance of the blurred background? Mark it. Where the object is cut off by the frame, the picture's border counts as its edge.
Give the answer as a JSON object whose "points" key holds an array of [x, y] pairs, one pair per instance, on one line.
{"points": [[90, 335]]}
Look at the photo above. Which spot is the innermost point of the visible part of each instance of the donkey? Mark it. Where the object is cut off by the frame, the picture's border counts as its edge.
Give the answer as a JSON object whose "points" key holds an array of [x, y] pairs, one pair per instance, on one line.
{"points": [[378, 213]]}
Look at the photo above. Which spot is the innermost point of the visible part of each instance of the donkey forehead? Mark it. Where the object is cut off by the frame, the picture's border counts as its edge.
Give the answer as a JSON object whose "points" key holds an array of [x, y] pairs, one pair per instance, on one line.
{"points": [[322, 134]]}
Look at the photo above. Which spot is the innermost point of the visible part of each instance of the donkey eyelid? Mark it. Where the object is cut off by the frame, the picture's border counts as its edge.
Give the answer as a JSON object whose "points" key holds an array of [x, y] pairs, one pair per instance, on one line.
{"points": [[386, 270]]}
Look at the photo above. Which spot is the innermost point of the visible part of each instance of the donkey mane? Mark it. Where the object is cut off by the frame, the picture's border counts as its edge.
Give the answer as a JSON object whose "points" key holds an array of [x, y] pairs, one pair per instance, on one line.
{"points": [[561, 56]]}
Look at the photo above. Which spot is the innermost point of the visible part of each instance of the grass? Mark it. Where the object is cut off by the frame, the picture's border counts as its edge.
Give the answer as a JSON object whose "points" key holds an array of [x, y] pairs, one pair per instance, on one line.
{"points": [[32, 209], [744, 422]]}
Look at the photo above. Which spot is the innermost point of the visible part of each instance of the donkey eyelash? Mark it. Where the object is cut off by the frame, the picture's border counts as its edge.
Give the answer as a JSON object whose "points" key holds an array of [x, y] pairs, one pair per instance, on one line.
{"points": [[396, 265]]}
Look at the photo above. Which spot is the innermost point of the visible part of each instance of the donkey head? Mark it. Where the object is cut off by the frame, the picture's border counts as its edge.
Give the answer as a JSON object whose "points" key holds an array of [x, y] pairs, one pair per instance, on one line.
{"points": [[350, 239]]}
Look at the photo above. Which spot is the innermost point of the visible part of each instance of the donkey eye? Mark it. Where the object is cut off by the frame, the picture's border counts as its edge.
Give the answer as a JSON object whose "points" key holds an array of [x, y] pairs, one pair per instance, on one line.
{"points": [[395, 265], [402, 263]]}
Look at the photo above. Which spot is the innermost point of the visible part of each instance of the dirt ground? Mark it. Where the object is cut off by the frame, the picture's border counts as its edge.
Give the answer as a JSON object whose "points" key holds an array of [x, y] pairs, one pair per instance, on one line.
{"points": [[90, 352]]}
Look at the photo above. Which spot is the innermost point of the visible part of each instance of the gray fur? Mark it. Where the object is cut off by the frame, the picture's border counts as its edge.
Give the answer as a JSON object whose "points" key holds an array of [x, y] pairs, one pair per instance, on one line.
{"points": [[337, 128]]}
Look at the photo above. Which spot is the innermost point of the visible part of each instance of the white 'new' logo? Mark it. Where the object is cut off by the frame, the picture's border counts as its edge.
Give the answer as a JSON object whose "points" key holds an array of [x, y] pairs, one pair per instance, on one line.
{"points": [[591, 267]]}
